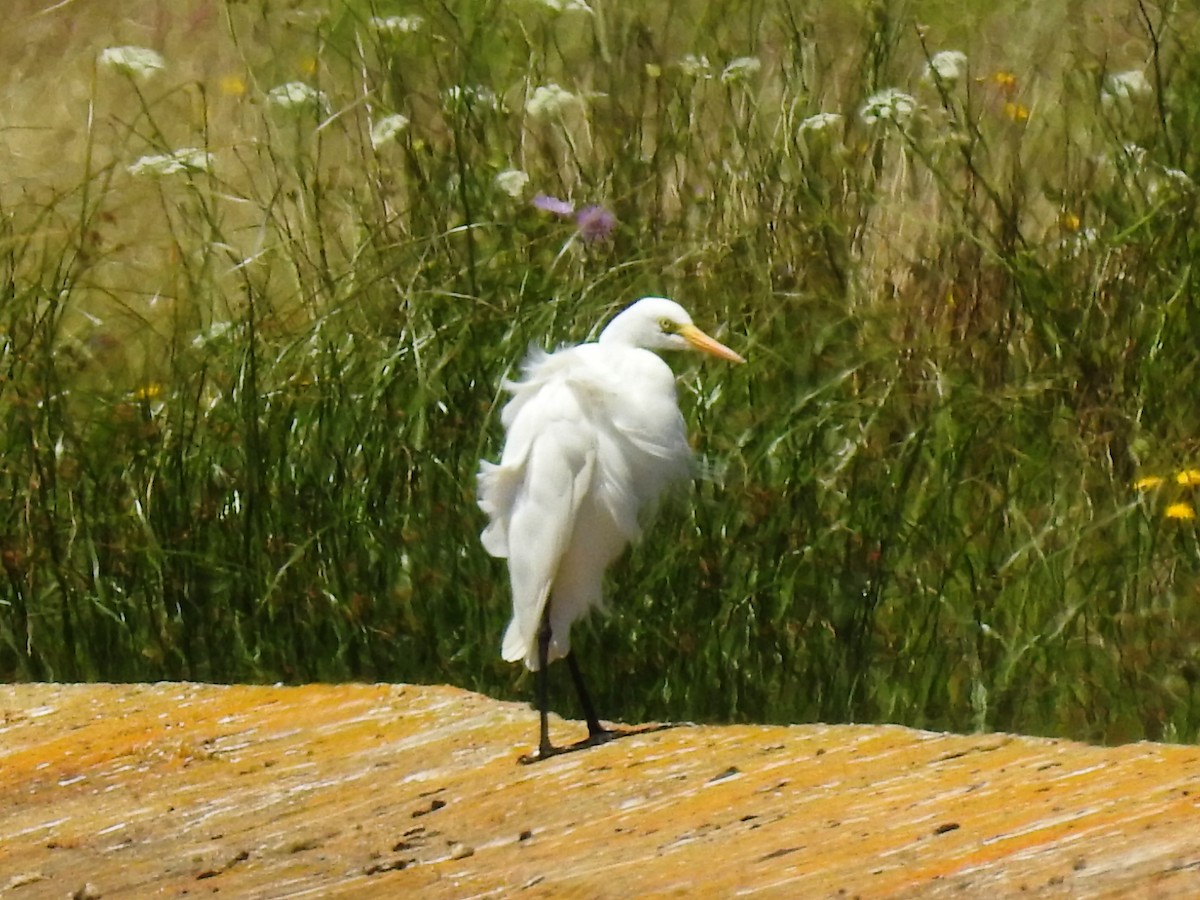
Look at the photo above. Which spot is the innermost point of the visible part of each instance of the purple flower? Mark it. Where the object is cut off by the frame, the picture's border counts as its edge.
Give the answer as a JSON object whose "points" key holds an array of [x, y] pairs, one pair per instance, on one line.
{"points": [[595, 223], [553, 204]]}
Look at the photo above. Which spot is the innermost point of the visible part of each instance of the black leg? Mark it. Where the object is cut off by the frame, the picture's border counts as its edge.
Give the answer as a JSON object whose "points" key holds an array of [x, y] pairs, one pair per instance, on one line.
{"points": [[545, 748], [597, 733], [595, 730]]}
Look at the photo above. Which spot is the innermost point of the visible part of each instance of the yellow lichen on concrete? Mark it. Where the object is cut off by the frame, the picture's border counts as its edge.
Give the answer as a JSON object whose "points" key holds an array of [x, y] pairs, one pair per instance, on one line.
{"points": [[379, 790]]}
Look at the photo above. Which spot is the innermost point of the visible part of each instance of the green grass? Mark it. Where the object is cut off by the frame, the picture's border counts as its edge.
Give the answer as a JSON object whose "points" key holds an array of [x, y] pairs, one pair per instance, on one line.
{"points": [[242, 408]]}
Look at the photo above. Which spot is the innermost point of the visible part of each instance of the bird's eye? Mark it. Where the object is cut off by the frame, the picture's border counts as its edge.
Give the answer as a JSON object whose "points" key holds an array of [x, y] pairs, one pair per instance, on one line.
{"points": [[667, 326]]}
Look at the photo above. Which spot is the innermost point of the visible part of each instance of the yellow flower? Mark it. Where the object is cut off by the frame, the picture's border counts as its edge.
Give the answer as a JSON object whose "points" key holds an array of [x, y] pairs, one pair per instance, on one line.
{"points": [[1006, 81], [232, 85], [149, 391], [1018, 112], [308, 65], [1148, 483], [1188, 478], [1182, 511], [1070, 221]]}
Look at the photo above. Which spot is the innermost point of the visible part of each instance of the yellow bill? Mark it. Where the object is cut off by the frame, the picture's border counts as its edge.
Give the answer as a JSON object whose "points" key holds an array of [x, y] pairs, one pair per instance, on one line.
{"points": [[706, 344]]}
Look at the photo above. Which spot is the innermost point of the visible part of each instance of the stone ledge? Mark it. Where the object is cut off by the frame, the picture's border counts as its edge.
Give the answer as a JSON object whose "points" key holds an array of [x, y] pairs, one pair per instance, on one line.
{"points": [[382, 790]]}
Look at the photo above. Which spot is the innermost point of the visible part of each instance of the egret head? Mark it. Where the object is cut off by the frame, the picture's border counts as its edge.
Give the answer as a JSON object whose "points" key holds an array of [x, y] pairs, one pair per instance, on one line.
{"points": [[656, 323]]}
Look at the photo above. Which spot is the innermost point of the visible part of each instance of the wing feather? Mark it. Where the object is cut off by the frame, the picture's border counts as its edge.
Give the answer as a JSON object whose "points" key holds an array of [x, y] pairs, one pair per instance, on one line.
{"points": [[585, 422], [533, 497], [542, 524]]}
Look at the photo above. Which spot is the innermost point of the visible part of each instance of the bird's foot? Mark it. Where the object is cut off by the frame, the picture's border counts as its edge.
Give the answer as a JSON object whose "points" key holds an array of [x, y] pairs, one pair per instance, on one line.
{"points": [[543, 752], [599, 735], [596, 735]]}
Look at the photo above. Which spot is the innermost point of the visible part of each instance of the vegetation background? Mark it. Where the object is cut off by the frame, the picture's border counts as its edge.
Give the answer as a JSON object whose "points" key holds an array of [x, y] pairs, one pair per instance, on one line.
{"points": [[243, 399]]}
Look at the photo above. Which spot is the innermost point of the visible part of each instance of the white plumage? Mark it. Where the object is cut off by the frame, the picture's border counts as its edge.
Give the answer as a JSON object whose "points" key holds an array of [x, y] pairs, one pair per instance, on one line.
{"points": [[593, 436]]}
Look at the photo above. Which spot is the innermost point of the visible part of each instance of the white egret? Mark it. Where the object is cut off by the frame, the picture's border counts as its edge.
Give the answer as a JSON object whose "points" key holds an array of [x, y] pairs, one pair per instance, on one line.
{"points": [[593, 436]]}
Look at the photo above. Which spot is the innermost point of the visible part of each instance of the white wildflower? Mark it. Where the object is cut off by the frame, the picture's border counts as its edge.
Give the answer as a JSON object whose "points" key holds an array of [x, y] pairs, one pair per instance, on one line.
{"points": [[387, 128], [550, 101], [512, 181], [475, 95], [140, 62], [1125, 86], [1074, 245], [947, 66], [395, 25], [215, 332], [888, 105], [1128, 158], [740, 69], [309, 18], [188, 159], [820, 122], [1134, 154], [296, 95], [1178, 176], [1172, 182], [561, 6], [695, 66]]}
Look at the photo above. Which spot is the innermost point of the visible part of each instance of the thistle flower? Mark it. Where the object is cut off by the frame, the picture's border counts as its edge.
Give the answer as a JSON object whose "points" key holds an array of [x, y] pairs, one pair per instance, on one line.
{"points": [[550, 101], [888, 105], [512, 181], [187, 159], [396, 25], [595, 223], [695, 66], [549, 204], [1125, 86], [741, 69], [946, 66], [296, 95], [820, 122], [138, 62], [387, 129]]}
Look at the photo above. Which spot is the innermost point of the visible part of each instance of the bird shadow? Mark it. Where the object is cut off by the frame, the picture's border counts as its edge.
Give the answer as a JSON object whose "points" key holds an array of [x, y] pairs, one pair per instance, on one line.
{"points": [[605, 737]]}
